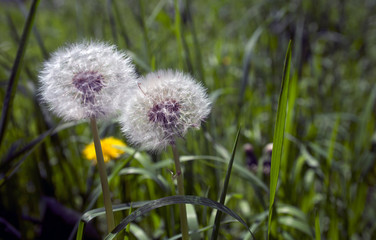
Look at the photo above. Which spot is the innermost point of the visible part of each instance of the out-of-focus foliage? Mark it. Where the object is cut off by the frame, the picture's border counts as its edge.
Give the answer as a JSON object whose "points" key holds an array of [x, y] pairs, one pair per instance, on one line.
{"points": [[237, 49]]}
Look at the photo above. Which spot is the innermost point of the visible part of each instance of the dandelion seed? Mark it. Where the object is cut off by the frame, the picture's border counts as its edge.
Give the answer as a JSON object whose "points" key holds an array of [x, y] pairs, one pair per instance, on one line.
{"points": [[86, 80], [111, 148], [167, 104]]}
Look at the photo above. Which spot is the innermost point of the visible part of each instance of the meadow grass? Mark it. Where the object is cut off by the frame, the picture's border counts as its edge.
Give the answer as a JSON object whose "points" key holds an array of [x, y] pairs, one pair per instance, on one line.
{"points": [[322, 181]]}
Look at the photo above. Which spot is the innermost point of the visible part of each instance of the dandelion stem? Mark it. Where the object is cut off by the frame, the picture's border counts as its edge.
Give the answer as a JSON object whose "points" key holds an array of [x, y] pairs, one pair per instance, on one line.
{"points": [[103, 176], [180, 179]]}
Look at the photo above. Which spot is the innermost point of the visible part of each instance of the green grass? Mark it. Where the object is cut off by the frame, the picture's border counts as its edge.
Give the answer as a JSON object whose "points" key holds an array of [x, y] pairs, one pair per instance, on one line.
{"points": [[322, 182]]}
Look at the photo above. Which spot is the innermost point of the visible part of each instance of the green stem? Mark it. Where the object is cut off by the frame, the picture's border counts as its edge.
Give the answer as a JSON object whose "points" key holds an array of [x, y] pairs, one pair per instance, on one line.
{"points": [[103, 176], [180, 179]]}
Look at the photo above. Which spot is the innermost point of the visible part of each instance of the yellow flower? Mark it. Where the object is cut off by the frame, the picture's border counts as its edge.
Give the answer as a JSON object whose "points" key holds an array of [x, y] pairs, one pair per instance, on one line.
{"points": [[110, 147]]}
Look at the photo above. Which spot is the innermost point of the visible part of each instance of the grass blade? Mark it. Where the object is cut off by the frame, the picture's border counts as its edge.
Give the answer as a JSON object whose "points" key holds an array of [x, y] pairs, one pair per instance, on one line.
{"points": [[166, 201], [317, 227], [224, 191], [279, 131], [89, 214], [286, 162], [244, 173], [16, 69], [37, 35], [296, 224], [362, 134], [162, 183], [8, 168], [247, 61], [177, 29], [80, 230]]}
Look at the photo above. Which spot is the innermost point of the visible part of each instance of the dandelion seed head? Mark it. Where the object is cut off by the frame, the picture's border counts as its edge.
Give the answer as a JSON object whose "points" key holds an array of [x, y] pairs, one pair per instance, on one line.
{"points": [[167, 104], [86, 80]]}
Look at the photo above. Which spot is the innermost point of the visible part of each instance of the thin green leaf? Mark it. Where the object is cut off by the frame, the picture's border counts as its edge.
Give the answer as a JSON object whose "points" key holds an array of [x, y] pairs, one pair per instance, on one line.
{"points": [[169, 201], [178, 28], [295, 223], [225, 186], [162, 183], [286, 162], [16, 69], [91, 214], [37, 35], [317, 227], [243, 172], [193, 222], [80, 230], [279, 131], [138, 232], [112, 21], [121, 24], [293, 211], [247, 60], [201, 230], [139, 61]]}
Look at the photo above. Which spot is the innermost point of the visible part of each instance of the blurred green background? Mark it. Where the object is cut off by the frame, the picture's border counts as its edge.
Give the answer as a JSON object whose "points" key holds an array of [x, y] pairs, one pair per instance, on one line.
{"points": [[237, 50]]}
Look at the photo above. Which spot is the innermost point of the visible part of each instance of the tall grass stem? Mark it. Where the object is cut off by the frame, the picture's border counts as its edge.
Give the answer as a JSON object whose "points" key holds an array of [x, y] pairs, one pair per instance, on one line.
{"points": [[180, 179], [16, 70], [103, 176]]}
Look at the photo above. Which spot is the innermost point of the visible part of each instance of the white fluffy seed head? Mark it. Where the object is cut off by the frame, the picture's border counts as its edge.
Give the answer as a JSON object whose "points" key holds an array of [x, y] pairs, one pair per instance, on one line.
{"points": [[86, 80], [164, 107]]}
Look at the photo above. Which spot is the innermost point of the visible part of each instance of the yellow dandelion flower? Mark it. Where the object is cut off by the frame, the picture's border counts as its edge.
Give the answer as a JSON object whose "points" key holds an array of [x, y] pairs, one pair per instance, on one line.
{"points": [[110, 148]]}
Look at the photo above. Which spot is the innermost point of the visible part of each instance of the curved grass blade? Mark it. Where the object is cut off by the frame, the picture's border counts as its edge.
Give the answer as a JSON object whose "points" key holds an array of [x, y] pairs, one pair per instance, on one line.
{"points": [[91, 214], [279, 132], [16, 69], [224, 191], [147, 174], [249, 176], [240, 170], [292, 211], [296, 224], [166, 201]]}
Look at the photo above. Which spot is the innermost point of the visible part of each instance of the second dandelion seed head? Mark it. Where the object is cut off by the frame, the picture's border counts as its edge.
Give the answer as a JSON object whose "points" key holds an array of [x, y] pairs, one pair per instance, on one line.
{"points": [[167, 105], [166, 113]]}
